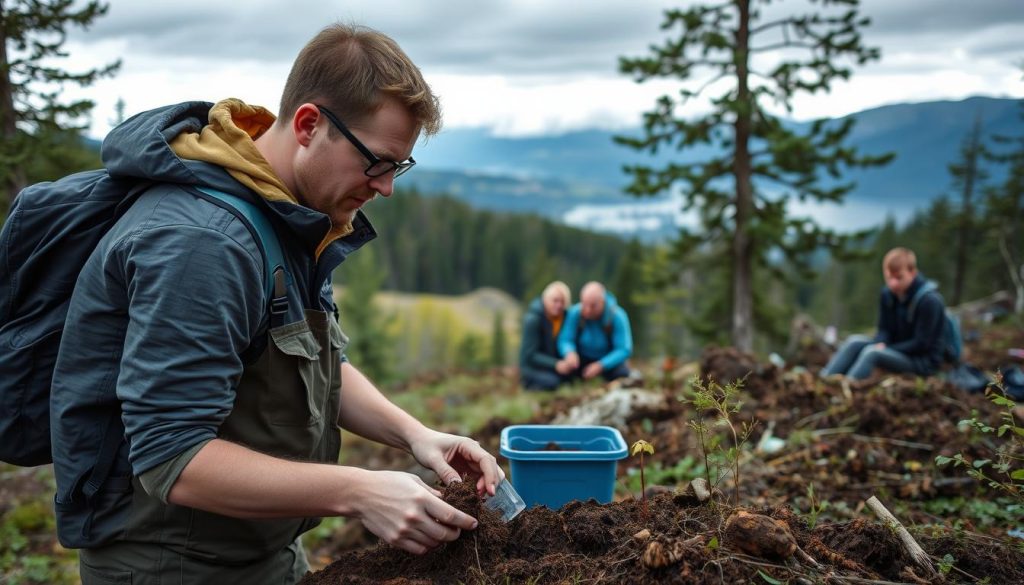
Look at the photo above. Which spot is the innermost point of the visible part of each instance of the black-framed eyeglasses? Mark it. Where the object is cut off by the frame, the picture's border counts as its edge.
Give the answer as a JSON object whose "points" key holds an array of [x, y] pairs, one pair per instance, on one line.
{"points": [[377, 166]]}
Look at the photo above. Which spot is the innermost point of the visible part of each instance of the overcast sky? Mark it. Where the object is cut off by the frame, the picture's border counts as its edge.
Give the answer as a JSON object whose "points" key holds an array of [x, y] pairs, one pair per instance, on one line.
{"points": [[523, 67]]}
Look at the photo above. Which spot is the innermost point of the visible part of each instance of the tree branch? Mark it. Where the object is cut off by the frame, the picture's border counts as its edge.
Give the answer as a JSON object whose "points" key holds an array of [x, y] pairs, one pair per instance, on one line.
{"points": [[783, 45], [768, 25]]}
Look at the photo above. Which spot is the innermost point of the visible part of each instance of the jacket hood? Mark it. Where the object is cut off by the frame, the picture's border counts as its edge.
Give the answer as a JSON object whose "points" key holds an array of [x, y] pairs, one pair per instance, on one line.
{"points": [[140, 148], [536, 306]]}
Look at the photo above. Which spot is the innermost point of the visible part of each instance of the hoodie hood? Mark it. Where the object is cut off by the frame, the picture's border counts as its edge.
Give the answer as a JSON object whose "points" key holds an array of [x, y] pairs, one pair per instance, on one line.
{"points": [[536, 306], [228, 141], [200, 144]]}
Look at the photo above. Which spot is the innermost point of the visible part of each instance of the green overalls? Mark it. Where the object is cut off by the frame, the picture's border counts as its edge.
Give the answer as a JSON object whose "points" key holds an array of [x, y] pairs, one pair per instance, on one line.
{"points": [[286, 405]]}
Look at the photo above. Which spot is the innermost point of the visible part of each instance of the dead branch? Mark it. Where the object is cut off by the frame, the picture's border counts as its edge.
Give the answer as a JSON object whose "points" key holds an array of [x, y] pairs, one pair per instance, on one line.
{"points": [[910, 546], [897, 442]]}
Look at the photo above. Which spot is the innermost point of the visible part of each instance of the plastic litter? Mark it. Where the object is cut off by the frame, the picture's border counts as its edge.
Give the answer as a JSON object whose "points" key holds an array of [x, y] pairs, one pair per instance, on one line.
{"points": [[506, 500]]}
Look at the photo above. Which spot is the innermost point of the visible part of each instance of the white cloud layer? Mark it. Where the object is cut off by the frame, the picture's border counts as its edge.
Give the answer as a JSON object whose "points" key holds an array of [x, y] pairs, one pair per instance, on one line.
{"points": [[522, 66]]}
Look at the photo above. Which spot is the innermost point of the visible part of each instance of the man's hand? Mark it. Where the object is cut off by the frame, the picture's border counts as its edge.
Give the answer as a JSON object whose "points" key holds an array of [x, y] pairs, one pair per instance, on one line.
{"points": [[593, 369], [879, 346], [452, 457], [408, 514], [573, 359], [563, 367]]}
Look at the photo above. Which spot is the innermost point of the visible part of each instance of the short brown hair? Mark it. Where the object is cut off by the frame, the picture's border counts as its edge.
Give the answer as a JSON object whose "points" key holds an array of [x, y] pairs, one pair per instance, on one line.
{"points": [[899, 258], [351, 69]]}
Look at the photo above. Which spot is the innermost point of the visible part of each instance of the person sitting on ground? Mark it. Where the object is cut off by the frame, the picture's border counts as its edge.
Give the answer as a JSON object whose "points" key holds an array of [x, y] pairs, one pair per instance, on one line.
{"points": [[538, 355], [910, 326], [596, 338]]}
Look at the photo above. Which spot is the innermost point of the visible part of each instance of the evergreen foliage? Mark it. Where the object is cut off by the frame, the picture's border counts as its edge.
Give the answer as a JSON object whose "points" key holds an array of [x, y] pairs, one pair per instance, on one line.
{"points": [[470, 353], [1006, 213], [499, 340], [968, 176], [34, 121], [442, 245], [741, 194], [627, 288], [846, 293], [370, 345]]}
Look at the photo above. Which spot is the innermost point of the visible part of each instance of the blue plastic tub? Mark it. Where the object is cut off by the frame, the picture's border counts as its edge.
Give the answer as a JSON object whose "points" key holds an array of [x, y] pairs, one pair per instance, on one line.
{"points": [[583, 467]]}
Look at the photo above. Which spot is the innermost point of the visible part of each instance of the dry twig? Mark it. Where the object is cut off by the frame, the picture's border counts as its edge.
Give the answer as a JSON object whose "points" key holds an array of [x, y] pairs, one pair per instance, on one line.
{"points": [[910, 546]]}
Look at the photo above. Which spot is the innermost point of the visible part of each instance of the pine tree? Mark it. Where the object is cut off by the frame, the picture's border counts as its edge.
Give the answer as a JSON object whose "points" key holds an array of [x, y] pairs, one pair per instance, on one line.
{"points": [[1006, 211], [32, 115], [627, 288], [967, 176], [741, 195], [370, 345]]}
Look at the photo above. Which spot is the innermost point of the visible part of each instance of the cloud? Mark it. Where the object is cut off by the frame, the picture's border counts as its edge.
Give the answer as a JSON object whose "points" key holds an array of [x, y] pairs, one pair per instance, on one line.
{"points": [[525, 66]]}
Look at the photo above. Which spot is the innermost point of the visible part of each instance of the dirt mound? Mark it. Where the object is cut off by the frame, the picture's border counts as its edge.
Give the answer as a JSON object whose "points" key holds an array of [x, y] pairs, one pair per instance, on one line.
{"points": [[680, 541], [835, 444]]}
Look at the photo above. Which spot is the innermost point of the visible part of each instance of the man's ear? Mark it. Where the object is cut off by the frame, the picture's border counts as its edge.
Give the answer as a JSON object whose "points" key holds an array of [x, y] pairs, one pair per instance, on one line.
{"points": [[304, 123]]}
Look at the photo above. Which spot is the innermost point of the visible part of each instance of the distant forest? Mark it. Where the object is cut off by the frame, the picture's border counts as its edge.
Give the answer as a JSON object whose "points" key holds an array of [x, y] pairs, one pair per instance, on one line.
{"points": [[441, 245]]}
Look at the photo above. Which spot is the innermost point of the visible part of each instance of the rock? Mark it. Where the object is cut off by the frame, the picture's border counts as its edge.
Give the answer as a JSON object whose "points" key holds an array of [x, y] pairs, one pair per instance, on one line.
{"points": [[760, 536], [615, 408], [643, 535]]}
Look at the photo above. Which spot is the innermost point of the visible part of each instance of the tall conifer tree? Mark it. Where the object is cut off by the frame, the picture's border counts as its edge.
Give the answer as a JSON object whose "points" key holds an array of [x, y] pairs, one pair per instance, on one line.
{"points": [[32, 36], [967, 177], [741, 195]]}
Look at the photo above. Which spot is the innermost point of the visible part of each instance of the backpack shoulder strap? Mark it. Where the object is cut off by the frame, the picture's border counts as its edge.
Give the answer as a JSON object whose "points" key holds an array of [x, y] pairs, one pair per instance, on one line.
{"points": [[274, 268], [928, 287]]}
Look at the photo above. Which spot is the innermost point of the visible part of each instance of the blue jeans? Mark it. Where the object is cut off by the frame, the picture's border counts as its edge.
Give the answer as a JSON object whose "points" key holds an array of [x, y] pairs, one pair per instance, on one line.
{"points": [[532, 379], [858, 357]]}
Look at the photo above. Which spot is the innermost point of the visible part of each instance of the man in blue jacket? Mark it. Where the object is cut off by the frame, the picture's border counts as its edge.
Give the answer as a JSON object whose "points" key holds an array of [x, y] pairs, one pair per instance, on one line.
{"points": [[911, 323], [231, 414], [596, 338]]}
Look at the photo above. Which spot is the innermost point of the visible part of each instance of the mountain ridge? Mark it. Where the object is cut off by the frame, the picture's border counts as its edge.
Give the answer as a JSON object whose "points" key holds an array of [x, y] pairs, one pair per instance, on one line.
{"points": [[553, 175]]}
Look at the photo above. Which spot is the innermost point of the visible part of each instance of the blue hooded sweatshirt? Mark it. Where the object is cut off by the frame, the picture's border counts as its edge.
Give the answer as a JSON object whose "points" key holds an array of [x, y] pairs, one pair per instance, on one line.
{"points": [[607, 339]]}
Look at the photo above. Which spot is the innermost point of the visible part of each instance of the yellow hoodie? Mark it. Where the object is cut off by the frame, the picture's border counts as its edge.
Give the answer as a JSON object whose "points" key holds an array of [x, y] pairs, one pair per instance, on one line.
{"points": [[228, 141]]}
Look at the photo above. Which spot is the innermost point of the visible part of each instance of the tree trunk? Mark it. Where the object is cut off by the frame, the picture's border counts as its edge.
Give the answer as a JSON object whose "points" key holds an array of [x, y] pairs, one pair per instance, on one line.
{"points": [[13, 177], [742, 245]]}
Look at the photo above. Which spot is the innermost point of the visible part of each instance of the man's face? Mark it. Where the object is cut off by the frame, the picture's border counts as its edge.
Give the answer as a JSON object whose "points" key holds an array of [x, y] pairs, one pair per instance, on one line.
{"points": [[899, 279], [329, 173], [591, 305]]}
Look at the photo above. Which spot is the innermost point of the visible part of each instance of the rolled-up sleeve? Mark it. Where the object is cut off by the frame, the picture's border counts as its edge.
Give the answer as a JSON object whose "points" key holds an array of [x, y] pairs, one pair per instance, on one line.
{"points": [[195, 300]]}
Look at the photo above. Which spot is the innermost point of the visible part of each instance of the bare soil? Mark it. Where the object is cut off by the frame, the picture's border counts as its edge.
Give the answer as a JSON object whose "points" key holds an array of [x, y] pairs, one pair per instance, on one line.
{"points": [[681, 541], [846, 441]]}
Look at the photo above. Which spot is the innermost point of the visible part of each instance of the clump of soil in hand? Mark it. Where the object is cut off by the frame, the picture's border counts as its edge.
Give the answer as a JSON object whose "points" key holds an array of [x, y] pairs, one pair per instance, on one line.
{"points": [[385, 564]]}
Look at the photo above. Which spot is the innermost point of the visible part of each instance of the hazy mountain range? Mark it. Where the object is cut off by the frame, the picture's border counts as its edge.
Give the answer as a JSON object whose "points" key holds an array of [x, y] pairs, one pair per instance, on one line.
{"points": [[577, 177]]}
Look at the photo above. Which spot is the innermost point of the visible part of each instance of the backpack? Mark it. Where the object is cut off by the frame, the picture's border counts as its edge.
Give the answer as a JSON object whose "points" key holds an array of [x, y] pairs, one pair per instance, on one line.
{"points": [[49, 234], [952, 340]]}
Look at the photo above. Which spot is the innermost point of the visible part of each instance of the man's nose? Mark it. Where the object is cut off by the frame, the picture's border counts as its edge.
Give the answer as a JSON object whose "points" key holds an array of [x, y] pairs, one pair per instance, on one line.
{"points": [[384, 184]]}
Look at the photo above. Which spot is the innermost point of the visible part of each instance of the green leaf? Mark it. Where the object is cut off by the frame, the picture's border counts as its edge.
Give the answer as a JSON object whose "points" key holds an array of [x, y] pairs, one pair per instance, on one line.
{"points": [[1017, 475], [1003, 401], [768, 578], [713, 543]]}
